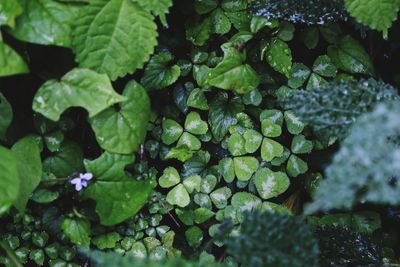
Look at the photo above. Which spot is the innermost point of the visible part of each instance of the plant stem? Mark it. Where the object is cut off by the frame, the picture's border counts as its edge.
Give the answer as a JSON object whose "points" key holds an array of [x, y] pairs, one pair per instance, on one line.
{"points": [[10, 254], [56, 180]]}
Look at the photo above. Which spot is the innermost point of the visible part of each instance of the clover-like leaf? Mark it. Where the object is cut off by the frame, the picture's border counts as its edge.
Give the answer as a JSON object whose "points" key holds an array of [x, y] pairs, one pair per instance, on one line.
{"points": [[114, 37], [274, 115], [178, 196], [315, 81], [189, 140], [270, 149], [9, 179], [181, 153], [108, 240], [296, 166], [323, 66], [298, 75], [232, 73], [192, 183], [279, 56], [270, 184], [158, 74], [270, 129], [300, 145], [202, 215], [11, 62], [169, 178], [227, 169], [293, 123], [197, 99], [77, 231], [194, 236], [6, 115], [253, 140], [78, 88], [117, 195], [253, 97], [220, 197], [245, 201], [245, 167], [237, 145], [194, 124], [171, 131], [123, 131], [208, 184]]}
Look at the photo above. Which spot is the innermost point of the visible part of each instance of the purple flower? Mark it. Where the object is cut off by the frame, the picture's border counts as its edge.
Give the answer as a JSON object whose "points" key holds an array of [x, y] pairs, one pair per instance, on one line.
{"points": [[81, 181]]}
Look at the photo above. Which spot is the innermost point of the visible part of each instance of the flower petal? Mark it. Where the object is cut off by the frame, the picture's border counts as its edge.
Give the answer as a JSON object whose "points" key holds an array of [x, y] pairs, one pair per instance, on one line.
{"points": [[84, 183], [78, 187], [75, 181], [86, 176]]}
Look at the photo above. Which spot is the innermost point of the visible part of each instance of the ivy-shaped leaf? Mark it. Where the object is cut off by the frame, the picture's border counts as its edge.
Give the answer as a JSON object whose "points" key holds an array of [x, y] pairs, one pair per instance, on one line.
{"points": [[78, 88], [237, 145], [232, 73], [270, 184], [9, 179], [123, 131], [227, 169], [108, 240], [46, 22], [77, 230], [6, 116], [117, 195], [9, 10], [158, 73], [114, 37], [298, 75], [11, 63]]}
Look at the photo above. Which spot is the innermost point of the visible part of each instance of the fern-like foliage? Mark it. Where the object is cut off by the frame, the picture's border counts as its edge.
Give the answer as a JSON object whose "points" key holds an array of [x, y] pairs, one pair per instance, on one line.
{"points": [[344, 247], [332, 108], [367, 167], [304, 11], [273, 240]]}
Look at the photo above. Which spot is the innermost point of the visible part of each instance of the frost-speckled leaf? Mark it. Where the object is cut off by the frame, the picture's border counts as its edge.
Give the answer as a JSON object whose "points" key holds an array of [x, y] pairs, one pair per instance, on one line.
{"points": [[178, 196], [9, 10], [194, 124], [77, 231], [293, 123], [115, 37], [237, 145], [245, 167], [208, 184], [9, 179], [253, 140], [192, 183], [189, 140], [10, 62], [108, 240], [300, 145], [46, 22], [296, 166], [323, 66], [6, 115], [270, 129], [220, 197], [274, 115], [253, 97], [298, 75], [315, 81], [197, 99], [270, 149], [78, 88], [270, 184], [171, 131], [245, 201], [123, 131], [227, 169], [279, 56], [169, 178], [118, 196]]}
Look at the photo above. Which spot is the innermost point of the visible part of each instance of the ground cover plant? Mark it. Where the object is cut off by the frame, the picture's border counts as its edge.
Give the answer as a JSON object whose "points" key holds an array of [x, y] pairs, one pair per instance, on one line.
{"points": [[248, 133]]}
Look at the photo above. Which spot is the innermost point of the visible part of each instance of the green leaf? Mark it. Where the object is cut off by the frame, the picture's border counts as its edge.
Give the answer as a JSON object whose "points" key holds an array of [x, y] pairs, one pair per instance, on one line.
{"points": [[157, 8], [123, 131], [245, 201], [227, 169], [158, 73], [270, 149], [279, 57], [182, 153], [296, 166], [270, 184], [300, 145], [298, 75], [6, 116], [37, 256], [376, 14], [171, 131], [178, 196], [114, 37], [245, 167], [197, 99], [9, 179], [315, 81], [194, 124], [29, 168], [46, 22], [9, 10], [192, 183], [323, 66], [220, 197], [77, 230], [117, 195], [189, 140], [222, 114], [169, 178], [11, 63], [201, 215], [274, 115], [237, 145], [253, 140], [105, 241], [350, 56], [208, 184], [199, 33], [67, 160], [43, 195], [293, 123], [232, 73], [205, 6], [252, 98], [53, 140], [270, 129], [78, 88], [194, 236], [220, 23]]}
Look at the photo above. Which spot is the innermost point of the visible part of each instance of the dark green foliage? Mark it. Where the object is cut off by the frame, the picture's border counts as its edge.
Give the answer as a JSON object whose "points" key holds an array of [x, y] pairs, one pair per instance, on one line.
{"points": [[344, 247], [304, 11], [330, 109], [266, 239]]}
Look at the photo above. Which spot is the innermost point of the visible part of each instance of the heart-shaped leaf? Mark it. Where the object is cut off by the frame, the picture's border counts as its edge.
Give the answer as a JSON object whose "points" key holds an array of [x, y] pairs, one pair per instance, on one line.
{"points": [[323, 66], [197, 99], [245, 167], [293, 123], [203, 200], [270, 184], [296, 166], [171, 131], [11, 62], [227, 169], [244, 201], [237, 145], [270, 149], [9, 11], [315, 81], [253, 140], [300, 145], [201, 215], [194, 124], [53, 140], [208, 184], [252, 98], [270, 129], [192, 183], [220, 197], [77, 230], [178, 196], [169, 178], [194, 236], [299, 75], [274, 115], [189, 140]]}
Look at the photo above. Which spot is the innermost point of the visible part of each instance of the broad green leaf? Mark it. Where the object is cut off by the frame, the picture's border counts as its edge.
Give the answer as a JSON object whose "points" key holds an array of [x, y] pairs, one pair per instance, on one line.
{"points": [[182, 153], [232, 73], [158, 73], [192, 183], [6, 116], [203, 200], [274, 115], [54, 140], [189, 140], [181, 94], [315, 81], [252, 98], [227, 169], [205, 6], [275, 208], [199, 33], [46, 22], [220, 23], [178, 196], [323, 66], [300, 145], [222, 114], [279, 57], [194, 124], [169, 178], [197, 99], [123, 131], [67, 160], [270, 184], [29, 168], [77, 230], [138, 250], [237, 145], [298, 75], [234, 5], [9, 179], [220, 197], [43, 195], [310, 37], [157, 8], [208, 184], [270, 129], [270, 149], [105, 241], [286, 31], [245, 167], [376, 14], [296, 166], [117, 195], [293, 123], [257, 23], [350, 56], [241, 20], [10, 62], [253, 140], [9, 10], [171, 131], [201, 215], [78, 88], [115, 37], [245, 201], [194, 236]]}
